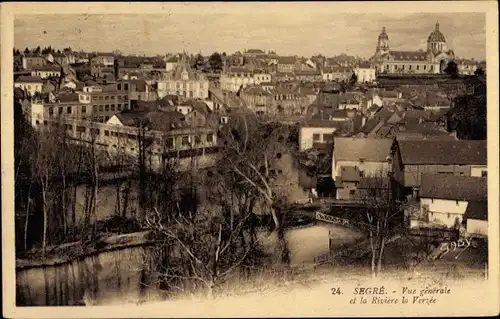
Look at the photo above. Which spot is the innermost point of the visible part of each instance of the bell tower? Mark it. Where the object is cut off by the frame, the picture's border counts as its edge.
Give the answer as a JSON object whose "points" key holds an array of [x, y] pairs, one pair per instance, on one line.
{"points": [[383, 43]]}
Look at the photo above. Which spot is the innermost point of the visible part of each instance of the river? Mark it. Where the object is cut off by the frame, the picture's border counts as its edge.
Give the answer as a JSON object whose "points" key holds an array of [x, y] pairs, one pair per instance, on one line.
{"points": [[116, 275]]}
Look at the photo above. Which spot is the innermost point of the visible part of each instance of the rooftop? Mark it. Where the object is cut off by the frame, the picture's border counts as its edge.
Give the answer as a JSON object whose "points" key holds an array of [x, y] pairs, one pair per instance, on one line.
{"points": [[477, 210], [429, 152], [29, 79], [452, 187], [367, 149]]}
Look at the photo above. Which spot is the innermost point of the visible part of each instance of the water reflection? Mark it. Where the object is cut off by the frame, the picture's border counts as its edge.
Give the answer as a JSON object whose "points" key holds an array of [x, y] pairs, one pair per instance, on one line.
{"points": [[120, 276], [115, 275]]}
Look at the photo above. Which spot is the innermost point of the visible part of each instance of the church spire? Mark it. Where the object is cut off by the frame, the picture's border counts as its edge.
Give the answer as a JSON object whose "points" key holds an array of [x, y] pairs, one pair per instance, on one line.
{"points": [[383, 29], [437, 26]]}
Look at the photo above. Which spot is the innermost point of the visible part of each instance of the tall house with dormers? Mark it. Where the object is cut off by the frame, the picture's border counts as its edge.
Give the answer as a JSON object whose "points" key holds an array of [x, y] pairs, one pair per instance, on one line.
{"points": [[183, 81]]}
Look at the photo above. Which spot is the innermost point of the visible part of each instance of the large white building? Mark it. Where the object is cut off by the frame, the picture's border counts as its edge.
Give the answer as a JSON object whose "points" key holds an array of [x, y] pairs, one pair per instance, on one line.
{"points": [[182, 80], [236, 77], [431, 61]]}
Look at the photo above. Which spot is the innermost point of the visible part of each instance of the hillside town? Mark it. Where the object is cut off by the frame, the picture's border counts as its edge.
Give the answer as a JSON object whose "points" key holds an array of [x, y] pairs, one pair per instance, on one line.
{"points": [[390, 147]]}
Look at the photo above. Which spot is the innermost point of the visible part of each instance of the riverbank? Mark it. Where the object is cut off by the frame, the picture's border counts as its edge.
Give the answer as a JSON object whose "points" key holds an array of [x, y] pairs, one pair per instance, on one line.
{"points": [[65, 253]]}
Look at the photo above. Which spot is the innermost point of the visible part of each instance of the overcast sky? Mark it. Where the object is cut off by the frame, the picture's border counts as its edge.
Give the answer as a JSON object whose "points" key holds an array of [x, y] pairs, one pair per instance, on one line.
{"points": [[209, 28]]}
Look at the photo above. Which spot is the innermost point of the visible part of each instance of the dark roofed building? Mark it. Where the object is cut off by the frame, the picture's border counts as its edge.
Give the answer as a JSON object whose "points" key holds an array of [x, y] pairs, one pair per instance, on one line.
{"points": [[371, 155], [458, 152], [412, 158], [476, 218], [452, 187]]}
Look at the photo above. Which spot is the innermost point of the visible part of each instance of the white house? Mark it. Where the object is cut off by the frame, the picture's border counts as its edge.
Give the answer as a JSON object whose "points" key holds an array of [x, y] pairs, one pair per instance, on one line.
{"points": [[316, 131], [30, 84], [444, 198], [476, 219], [371, 156], [365, 73]]}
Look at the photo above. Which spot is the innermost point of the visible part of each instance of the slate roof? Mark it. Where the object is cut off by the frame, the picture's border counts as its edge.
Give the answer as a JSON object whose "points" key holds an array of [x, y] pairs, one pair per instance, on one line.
{"points": [[409, 55], [159, 120], [453, 187], [67, 97], [429, 152], [29, 79], [369, 149], [371, 125], [477, 210]]}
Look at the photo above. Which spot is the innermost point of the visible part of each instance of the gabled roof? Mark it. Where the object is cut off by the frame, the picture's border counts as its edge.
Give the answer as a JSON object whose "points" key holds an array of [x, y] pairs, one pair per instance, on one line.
{"points": [[477, 210], [368, 149], [67, 97], [29, 79], [428, 152], [409, 55], [453, 187], [158, 120]]}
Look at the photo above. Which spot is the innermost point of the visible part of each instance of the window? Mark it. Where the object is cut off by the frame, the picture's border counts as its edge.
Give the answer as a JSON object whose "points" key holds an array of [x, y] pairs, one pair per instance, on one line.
{"points": [[210, 137], [457, 202], [425, 66], [316, 137], [112, 107], [328, 137], [97, 131], [45, 123], [448, 215], [51, 111], [69, 127], [185, 140], [484, 173], [352, 192], [84, 109], [81, 129], [418, 67], [169, 142], [119, 86], [125, 86], [61, 110], [106, 133], [106, 108], [106, 97], [362, 173], [68, 109], [37, 122], [101, 97], [101, 108], [106, 118], [119, 107], [197, 139]]}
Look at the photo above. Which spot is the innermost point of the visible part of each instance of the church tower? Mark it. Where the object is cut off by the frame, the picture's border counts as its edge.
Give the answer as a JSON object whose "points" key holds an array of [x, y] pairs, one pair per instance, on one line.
{"points": [[383, 43], [436, 41]]}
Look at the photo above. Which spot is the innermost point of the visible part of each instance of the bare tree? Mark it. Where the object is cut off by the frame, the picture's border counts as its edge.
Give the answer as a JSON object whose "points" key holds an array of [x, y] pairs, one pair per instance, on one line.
{"points": [[252, 150], [206, 248], [380, 211], [43, 168]]}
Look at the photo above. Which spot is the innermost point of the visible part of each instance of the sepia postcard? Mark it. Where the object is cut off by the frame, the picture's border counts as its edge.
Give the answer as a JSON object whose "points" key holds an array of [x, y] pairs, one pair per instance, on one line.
{"points": [[250, 159]]}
